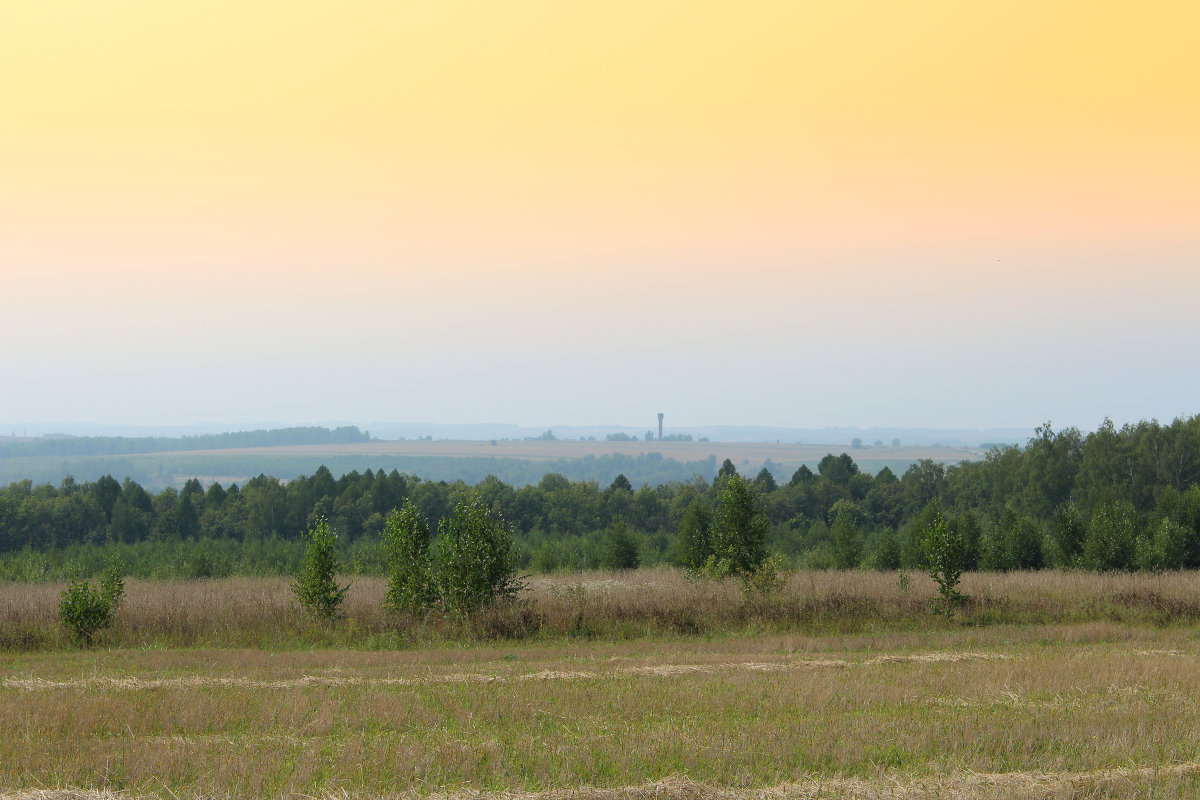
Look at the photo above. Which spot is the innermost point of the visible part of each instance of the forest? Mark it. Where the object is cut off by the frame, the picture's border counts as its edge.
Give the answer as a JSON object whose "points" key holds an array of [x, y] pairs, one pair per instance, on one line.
{"points": [[1113, 499]]}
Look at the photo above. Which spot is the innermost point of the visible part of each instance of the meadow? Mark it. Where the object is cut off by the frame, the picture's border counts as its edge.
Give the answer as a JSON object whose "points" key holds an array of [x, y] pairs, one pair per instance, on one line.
{"points": [[611, 685]]}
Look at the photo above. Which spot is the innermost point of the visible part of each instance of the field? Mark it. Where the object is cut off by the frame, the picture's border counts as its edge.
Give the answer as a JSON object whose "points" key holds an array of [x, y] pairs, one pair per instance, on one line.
{"points": [[419, 456], [1048, 685], [754, 452], [515, 462]]}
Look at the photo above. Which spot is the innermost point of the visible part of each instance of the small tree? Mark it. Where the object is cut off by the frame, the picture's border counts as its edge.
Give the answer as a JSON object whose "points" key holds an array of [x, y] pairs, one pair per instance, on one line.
{"points": [[847, 543], [620, 547], [85, 610], [406, 541], [475, 561], [738, 536], [411, 585], [315, 586], [692, 544], [944, 557], [1111, 542]]}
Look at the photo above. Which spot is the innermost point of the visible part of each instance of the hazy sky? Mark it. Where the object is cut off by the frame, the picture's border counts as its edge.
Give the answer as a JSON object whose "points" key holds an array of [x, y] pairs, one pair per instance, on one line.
{"points": [[796, 213]]}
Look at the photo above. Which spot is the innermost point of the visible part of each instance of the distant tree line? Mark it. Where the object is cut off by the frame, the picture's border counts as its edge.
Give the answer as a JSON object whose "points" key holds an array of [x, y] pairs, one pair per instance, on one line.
{"points": [[157, 470], [1114, 499], [121, 445]]}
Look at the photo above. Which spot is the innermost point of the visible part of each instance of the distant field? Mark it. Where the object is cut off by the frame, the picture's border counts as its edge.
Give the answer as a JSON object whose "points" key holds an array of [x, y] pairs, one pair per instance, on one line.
{"points": [[1095, 705], [514, 462], [738, 452]]}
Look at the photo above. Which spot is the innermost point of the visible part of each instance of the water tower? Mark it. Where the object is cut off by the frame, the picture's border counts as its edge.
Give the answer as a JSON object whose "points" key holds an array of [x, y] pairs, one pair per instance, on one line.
{"points": [[660, 415]]}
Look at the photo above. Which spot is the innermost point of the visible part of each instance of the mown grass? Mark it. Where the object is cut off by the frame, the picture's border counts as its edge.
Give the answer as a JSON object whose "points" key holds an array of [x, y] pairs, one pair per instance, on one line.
{"points": [[263, 613], [1098, 709], [609, 686]]}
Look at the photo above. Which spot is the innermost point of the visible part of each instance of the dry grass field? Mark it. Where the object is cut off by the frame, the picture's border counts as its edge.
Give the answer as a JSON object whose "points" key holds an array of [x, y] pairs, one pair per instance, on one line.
{"points": [[262, 612], [1080, 686]]}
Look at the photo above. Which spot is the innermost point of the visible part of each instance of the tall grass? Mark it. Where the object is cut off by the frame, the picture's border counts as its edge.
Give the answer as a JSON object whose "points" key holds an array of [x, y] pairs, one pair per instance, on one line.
{"points": [[263, 613]]}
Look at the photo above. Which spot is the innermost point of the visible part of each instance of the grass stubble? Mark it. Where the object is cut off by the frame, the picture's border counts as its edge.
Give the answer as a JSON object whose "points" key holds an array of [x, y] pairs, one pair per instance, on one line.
{"points": [[1082, 686]]}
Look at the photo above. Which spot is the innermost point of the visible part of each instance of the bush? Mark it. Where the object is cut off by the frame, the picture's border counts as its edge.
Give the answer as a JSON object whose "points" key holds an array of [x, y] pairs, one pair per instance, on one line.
{"points": [[411, 585], [475, 559], [767, 578], [315, 586], [85, 610]]}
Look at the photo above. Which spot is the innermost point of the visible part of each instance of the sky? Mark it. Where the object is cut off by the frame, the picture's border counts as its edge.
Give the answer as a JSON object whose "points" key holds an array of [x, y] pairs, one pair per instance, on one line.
{"points": [[861, 213]]}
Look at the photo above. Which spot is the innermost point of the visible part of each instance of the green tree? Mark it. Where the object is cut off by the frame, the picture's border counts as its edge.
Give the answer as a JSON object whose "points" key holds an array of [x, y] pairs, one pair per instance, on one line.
{"points": [[738, 535], [315, 585], [411, 584], [85, 610], [620, 550], [1112, 538], [944, 558], [1025, 543], [764, 482], [1166, 549], [847, 542], [802, 476], [838, 470], [887, 550], [187, 521], [1068, 532], [475, 559], [106, 490], [621, 484], [692, 543]]}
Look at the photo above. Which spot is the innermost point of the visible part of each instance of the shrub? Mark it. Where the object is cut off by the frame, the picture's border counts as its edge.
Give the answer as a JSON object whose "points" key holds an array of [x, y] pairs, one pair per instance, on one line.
{"points": [[475, 559], [767, 578], [411, 585], [315, 586], [85, 610]]}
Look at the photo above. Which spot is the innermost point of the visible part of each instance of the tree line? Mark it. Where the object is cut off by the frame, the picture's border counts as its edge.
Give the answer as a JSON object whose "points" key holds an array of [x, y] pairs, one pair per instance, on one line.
{"points": [[1115, 498], [131, 445], [158, 470]]}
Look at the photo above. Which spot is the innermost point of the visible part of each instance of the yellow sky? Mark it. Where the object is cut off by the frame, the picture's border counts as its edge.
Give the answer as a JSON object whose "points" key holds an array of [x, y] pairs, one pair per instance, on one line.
{"points": [[391, 129], [330, 155]]}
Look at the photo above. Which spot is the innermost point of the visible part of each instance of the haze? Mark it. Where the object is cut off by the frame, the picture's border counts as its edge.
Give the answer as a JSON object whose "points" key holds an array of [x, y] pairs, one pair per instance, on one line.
{"points": [[932, 214]]}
